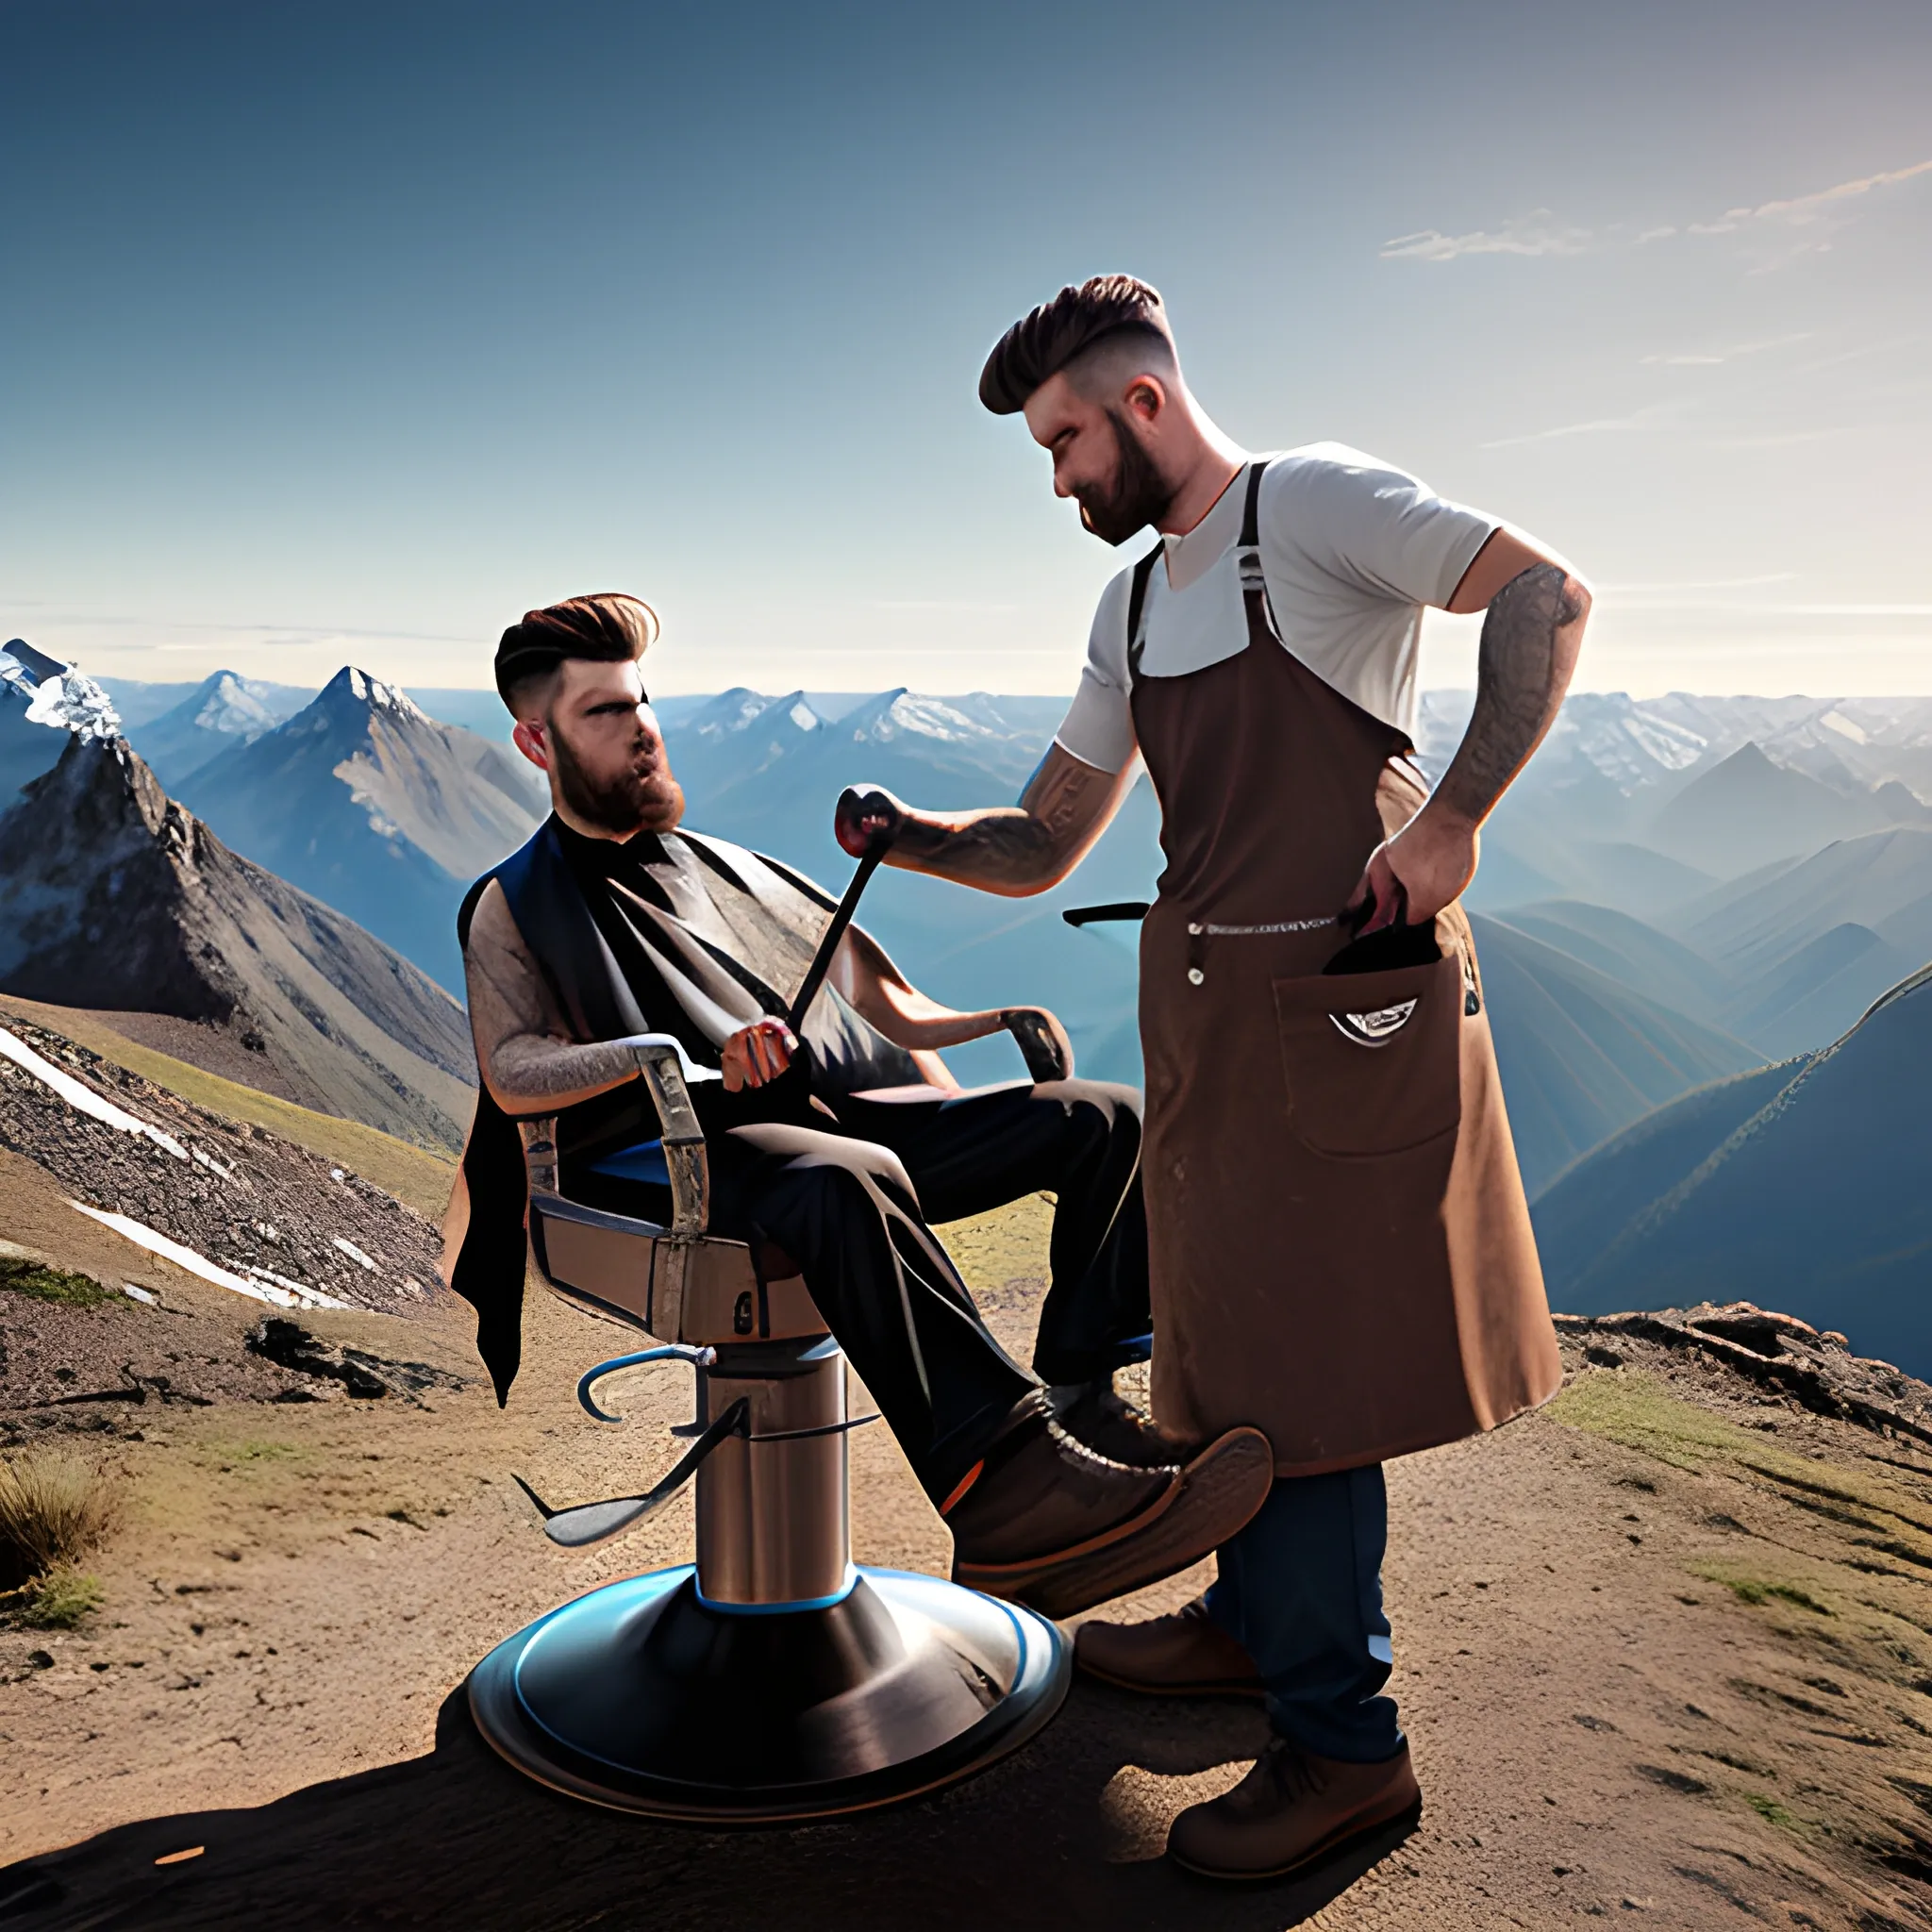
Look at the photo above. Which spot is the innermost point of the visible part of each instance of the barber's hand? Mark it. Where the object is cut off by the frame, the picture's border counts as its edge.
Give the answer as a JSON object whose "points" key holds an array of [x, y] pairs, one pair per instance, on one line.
{"points": [[757, 1053], [866, 815], [1410, 877]]}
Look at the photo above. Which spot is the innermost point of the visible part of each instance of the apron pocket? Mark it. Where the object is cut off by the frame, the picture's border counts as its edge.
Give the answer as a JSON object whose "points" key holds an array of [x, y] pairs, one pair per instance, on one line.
{"points": [[1373, 1061]]}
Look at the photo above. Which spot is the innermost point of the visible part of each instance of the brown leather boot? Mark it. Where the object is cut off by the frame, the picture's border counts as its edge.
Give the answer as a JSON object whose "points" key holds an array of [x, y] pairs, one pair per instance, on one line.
{"points": [[1095, 1414], [1289, 1811], [1187, 1654], [1059, 1528]]}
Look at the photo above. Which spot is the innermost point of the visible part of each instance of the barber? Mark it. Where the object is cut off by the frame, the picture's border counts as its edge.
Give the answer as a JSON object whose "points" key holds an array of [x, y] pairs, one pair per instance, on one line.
{"points": [[1341, 1252]]}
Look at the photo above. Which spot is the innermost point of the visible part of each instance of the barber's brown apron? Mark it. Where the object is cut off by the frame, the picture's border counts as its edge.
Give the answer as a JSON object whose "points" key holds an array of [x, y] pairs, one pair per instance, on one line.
{"points": [[1341, 1246]]}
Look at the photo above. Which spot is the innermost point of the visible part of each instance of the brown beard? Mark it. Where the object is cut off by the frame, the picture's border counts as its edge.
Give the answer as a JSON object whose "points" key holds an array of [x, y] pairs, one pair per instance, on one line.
{"points": [[1138, 495], [650, 800]]}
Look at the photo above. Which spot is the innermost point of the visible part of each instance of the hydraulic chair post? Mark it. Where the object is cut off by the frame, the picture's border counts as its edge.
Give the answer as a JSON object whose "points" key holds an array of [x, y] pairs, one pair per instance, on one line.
{"points": [[773, 1508]]}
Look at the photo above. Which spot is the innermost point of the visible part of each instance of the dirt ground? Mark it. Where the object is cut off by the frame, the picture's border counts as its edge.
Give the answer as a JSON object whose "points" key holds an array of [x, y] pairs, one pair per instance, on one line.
{"points": [[1661, 1653]]}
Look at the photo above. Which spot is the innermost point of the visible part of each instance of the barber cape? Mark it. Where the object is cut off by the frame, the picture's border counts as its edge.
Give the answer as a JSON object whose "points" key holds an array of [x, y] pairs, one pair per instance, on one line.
{"points": [[675, 934]]}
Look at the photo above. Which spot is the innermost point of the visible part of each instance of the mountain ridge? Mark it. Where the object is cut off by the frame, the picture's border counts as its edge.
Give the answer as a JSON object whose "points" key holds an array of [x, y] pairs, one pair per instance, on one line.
{"points": [[377, 809], [1813, 1197], [119, 898]]}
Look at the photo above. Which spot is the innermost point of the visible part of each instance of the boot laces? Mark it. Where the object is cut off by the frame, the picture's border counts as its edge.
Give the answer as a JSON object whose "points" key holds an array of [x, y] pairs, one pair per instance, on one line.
{"points": [[1076, 1450]]}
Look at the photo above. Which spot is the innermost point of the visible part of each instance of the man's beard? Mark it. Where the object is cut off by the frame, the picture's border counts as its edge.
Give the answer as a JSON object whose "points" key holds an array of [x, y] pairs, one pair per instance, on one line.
{"points": [[634, 801], [1140, 495]]}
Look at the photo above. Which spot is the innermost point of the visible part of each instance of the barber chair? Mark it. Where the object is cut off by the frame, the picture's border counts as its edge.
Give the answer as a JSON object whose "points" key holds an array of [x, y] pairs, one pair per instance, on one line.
{"points": [[772, 1680]]}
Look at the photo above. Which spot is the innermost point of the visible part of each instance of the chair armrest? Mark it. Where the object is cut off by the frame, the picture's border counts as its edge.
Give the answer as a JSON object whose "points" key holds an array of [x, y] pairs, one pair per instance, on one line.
{"points": [[1043, 1043], [668, 1043], [667, 1074]]}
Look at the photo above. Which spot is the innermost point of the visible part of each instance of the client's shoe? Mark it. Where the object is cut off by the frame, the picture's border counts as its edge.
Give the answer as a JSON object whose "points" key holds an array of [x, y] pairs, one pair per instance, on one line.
{"points": [[1289, 1811], [1095, 1414], [1050, 1523], [1187, 1654]]}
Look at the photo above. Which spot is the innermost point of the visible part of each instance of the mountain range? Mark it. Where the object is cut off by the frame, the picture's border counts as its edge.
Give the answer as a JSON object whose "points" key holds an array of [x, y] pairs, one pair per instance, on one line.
{"points": [[118, 899], [221, 712], [1581, 1053], [1677, 889], [1799, 1186], [377, 809]]}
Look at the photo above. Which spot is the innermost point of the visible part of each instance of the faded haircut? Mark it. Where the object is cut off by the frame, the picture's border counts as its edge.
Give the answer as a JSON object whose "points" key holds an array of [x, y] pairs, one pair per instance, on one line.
{"points": [[606, 629], [1077, 320], [1104, 368]]}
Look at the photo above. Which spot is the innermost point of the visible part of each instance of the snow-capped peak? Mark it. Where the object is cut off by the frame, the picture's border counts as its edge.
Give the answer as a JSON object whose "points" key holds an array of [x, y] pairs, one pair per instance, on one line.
{"points": [[906, 712], [233, 706], [64, 698], [374, 693]]}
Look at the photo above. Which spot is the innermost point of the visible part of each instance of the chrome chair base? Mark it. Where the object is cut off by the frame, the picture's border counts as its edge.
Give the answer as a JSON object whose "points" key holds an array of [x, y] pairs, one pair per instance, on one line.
{"points": [[644, 1697]]}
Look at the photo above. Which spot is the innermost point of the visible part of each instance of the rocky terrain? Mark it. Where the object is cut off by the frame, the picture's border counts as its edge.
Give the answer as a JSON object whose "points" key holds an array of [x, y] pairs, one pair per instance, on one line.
{"points": [[260, 1208]]}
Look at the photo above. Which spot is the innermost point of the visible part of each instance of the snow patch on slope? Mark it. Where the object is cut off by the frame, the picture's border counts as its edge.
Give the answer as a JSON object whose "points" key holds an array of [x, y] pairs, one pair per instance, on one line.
{"points": [[83, 1098]]}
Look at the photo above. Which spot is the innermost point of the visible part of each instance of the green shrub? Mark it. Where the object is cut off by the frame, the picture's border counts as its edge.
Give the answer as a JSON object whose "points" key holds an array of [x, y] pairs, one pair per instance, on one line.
{"points": [[1761, 1589], [1771, 1810], [45, 1284], [61, 1600]]}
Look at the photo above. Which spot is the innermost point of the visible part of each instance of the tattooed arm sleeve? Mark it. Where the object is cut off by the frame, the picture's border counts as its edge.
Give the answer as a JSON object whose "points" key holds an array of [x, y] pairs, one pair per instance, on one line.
{"points": [[1018, 849], [1530, 640]]}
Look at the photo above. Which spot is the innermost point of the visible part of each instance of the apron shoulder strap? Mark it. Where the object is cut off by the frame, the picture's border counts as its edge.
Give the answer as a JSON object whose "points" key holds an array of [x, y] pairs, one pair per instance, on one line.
{"points": [[1248, 553], [1137, 611], [1251, 509]]}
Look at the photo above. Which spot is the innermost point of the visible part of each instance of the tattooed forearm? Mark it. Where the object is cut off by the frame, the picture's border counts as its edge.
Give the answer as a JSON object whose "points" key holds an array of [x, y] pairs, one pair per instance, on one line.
{"points": [[1022, 848], [1530, 640]]}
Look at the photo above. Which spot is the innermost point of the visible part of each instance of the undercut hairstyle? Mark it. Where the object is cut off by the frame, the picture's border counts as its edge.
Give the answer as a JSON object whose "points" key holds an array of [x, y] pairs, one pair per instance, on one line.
{"points": [[606, 629], [1040, 345]]}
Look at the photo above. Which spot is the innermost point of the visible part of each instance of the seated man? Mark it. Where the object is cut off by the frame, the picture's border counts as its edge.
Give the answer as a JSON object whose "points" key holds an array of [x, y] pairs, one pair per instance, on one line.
{"points": [[834, 1151]]}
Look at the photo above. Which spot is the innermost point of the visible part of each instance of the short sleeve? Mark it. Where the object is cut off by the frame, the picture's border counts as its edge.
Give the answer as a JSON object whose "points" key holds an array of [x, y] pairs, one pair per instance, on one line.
{"points": [[1098, 728], [1375, 528]]}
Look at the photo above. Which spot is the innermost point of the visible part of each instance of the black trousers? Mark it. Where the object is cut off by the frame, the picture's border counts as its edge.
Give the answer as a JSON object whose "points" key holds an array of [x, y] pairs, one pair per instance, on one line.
{"points": [[852, 1204]]}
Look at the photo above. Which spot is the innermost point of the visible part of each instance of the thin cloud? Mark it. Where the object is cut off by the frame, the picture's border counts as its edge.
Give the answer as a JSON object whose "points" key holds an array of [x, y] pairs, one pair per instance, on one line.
{"points": [[1536, 233], [1595, 427], [1856, 609], [961, 606], [1541, 232], [1781, 576], [1809, 207], [284, 635], [1710, 359]]}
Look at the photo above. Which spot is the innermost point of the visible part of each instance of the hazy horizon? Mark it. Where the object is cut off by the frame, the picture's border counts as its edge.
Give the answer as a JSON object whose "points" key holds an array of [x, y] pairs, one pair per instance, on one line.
{"points": [[858, 696]]}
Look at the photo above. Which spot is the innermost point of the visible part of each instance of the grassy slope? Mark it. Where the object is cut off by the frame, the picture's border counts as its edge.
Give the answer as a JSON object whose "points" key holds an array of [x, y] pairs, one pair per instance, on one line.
{"points": [[1826, 1528], [416, 1178]]}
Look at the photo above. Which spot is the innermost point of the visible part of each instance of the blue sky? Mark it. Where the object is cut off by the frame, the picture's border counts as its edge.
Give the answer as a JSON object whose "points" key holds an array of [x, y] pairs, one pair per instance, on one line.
{"points": [[347, 332]]}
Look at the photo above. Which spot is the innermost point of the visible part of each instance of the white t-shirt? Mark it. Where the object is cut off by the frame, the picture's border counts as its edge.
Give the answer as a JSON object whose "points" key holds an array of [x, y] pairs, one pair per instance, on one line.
{"points": [[1351, 550]]}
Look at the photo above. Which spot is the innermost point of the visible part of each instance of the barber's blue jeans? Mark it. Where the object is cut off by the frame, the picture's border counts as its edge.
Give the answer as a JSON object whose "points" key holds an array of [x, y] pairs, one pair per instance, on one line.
{"points": [[1301, 1590]]}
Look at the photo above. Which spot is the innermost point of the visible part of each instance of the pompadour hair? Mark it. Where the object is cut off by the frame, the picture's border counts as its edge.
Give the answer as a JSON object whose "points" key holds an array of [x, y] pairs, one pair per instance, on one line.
{"points": [[1042, 343], [608, 628]]}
